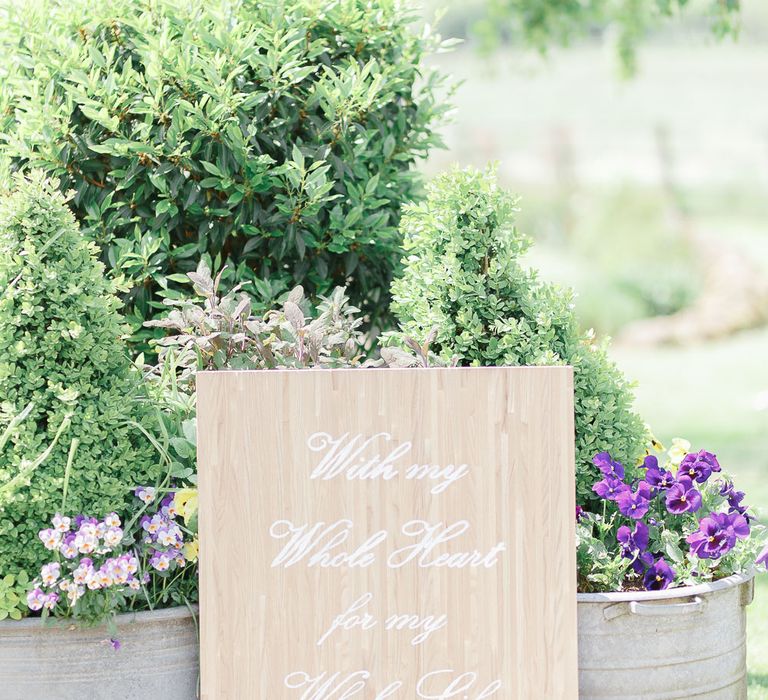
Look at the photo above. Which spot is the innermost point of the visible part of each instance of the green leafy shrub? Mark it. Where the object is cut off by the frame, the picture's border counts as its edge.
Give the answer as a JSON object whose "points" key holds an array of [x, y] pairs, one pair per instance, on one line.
{"points": [[63, 362], [463, 276], [13, 592], [275, 137]]}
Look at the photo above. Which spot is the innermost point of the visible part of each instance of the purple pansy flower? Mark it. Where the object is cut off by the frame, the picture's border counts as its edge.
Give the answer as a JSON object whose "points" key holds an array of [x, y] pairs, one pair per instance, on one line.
{"points": [[682, 497], [726, 487], [734, 500], [635, 505], [657, 477], [762, 558], [633, 541], [717, 535], [579, 513], [698, 466], [607, 466], [659, 576], [609, 488], [634, 545]]}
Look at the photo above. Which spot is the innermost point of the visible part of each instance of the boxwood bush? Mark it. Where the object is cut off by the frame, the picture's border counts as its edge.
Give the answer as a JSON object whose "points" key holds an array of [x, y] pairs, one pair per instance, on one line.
{"points": [[276, 138], [63, 366], [464, 276]]}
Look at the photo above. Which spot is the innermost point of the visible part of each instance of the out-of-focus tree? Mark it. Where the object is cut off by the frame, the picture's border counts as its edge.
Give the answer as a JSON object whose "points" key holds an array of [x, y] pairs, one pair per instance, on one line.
{"points": [[544, 23]]}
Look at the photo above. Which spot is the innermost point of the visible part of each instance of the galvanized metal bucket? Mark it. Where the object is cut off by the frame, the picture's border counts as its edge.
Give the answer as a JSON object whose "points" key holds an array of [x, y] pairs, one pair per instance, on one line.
{"points": [[687, 642], [157, 658]]}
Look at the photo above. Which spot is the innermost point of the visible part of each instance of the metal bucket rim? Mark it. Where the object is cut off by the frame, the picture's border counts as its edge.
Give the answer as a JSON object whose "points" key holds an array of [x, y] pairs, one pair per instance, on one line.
{"points": [[679, 592], [178, 612]]}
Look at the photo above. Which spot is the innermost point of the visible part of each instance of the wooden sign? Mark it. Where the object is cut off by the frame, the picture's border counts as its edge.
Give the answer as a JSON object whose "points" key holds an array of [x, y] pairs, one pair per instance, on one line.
{"points": [[377, 533]]}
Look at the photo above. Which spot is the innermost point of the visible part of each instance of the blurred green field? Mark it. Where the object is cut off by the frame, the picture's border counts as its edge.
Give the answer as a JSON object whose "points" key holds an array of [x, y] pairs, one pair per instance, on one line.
{"points": [[710, 394]]}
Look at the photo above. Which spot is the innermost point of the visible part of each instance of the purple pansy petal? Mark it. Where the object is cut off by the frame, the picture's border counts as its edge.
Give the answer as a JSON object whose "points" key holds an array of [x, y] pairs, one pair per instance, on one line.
{"points": [[609, 488], [762, 558], [682, 497], [635, 505], [659, 576], [608, 466]]}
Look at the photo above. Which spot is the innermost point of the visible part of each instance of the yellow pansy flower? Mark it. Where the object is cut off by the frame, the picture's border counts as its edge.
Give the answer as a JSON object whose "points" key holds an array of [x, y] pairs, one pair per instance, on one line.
{"points": [[191, 550], [679, 449], [186, 503]]}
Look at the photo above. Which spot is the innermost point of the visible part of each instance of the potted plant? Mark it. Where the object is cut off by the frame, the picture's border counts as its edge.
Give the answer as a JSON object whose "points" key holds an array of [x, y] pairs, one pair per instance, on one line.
{"points": [[666, 569], [76, 551]]}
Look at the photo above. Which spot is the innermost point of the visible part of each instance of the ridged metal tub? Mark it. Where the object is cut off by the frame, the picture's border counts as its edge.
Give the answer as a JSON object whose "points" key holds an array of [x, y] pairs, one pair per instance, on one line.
{"points": [[687, 642], [157, 659]]}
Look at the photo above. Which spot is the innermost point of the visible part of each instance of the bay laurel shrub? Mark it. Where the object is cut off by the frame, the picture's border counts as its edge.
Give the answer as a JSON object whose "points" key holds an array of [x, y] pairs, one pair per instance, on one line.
{"points": [[464, 276], [275, 138], [63, 366]]}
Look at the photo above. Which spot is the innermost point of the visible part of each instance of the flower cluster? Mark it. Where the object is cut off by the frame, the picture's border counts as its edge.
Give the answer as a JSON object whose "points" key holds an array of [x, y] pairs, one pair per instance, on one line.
{"points": [[90, 562], [673, 523], [162, 534], [100, 565]]}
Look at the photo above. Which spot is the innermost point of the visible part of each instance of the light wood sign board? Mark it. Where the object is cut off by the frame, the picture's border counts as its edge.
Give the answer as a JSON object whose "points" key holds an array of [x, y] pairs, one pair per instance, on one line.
{"points": [[402, 534]]}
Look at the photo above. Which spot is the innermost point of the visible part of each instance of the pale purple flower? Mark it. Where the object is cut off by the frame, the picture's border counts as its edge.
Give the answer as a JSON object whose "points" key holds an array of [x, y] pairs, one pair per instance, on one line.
{"points": [[50, 573], [61, 522], [168, 505], [145, 494], [83, 572], [160, 561], [86, 543], [113, 536], [74, 593], [81, 520], [50, 538], [67, 548], [36, 599]]}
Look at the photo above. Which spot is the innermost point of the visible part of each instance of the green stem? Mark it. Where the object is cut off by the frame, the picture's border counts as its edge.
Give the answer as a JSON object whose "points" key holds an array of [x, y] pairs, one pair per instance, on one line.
{"points": [[67, 471]]}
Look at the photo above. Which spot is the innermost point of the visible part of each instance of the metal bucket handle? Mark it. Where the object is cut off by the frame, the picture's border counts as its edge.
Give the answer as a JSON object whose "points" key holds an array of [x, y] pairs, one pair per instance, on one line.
{"points": [[659, 609], [664, 609]]}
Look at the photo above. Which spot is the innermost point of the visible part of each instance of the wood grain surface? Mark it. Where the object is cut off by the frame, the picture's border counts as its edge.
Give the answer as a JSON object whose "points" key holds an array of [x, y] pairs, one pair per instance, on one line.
{"points": [[496, 597]]}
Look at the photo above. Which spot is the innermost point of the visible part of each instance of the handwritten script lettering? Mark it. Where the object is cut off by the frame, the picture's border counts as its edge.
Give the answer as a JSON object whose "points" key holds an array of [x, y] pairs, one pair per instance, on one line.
{"points": [[357, 457], [445, 684], [415, 543], [321, 545], [353, 618]]}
